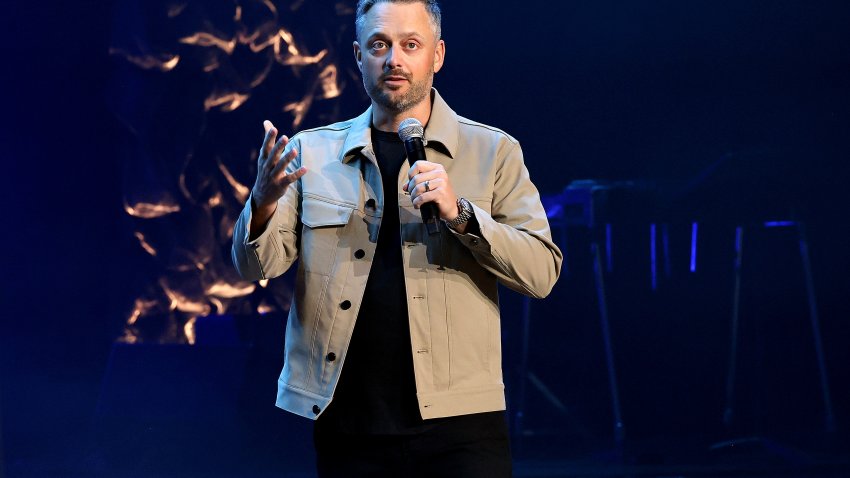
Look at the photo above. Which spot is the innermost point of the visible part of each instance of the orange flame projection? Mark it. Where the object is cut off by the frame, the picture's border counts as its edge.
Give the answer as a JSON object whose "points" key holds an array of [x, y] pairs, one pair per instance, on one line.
{"points": [[146, 210], [265, 308], [299, 109], [327, 79], [208, 39], [239, 190], [227, 290], [145, 244], [148, 62], [189, 330], [326, 83], [293, 55], [140, 308], [227, 101], [198, 205]]}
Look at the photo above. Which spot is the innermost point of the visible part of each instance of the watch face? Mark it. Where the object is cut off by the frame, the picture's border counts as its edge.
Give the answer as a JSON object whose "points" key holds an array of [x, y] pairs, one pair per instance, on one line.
{"points": [[465, 212]]}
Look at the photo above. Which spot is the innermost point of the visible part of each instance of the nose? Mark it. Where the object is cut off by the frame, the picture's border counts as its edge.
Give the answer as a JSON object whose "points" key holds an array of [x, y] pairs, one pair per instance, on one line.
{"points": [[393, 58]]}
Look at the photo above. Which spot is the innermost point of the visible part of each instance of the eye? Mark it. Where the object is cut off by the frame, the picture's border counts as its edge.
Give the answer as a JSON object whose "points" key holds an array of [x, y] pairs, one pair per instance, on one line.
{"points": [[412, 45], [378, 45]]}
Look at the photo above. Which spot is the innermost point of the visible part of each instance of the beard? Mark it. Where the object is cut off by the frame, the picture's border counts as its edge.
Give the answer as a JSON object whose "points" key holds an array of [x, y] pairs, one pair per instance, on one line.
{"points": [[399, 102]]}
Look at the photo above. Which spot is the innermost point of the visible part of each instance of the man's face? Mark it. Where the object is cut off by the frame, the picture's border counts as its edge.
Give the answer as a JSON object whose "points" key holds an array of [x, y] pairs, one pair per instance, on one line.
{"points": [[399, 55]]}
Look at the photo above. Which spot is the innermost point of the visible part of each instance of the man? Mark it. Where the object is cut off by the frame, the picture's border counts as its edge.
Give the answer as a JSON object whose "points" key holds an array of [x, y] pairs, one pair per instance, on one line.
{"points": [[412, 316]]}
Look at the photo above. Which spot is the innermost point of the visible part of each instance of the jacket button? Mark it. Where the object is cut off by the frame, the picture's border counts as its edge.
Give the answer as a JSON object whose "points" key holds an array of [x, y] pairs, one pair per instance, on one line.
{"points": [[359, 253], [345, 305], [331, 357], [474, 242], [316, 409], [370, 203]]}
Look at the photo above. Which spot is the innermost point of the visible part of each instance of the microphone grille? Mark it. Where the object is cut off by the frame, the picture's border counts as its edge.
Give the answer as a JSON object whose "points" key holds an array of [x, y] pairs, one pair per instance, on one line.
{"points": [[410, 128]]}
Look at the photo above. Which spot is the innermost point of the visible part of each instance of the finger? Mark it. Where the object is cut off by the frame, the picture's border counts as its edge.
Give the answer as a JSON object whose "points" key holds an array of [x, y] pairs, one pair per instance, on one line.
{"points": [[422, 177], [268, 141], [421, 166], [284, 162], [430, 196], [285, 179], [279, 147], [433, 185]]}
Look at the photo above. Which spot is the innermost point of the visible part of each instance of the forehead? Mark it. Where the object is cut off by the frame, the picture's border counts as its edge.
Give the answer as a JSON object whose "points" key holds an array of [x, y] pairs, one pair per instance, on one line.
{"points": [[397, 19]]}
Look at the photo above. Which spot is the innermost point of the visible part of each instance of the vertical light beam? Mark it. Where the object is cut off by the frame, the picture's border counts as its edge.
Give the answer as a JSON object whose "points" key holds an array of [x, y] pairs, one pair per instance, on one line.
{"points": [[694, 228]]}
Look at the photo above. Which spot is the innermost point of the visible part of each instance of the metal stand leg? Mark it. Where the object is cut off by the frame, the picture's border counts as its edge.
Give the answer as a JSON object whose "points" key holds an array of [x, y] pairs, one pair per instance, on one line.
{"points": [[729, 411], [525, 374], [619, 429], [829, 417], [772, 446], [526, 377]]}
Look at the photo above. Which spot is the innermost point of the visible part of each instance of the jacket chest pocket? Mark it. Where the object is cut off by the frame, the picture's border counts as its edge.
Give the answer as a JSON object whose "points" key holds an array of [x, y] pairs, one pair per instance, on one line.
{"points": [[323, 227]]}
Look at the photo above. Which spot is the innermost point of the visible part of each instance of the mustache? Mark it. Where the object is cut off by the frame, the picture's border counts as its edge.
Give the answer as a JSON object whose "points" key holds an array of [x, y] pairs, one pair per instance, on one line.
{"points": [[390, 73]]}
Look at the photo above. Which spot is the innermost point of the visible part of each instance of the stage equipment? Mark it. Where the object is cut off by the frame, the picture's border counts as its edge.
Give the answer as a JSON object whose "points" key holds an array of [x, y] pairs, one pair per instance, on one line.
{"points": [[729, 413], [580, 205], [598, 207]]}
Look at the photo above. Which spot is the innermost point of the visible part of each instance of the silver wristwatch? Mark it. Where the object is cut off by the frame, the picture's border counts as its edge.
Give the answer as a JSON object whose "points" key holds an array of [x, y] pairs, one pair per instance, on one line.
{"points": [[465, 213]]}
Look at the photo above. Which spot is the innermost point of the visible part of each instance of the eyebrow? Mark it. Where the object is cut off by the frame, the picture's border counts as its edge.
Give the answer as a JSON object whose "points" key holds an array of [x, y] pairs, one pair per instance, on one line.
{"points": [[412, 34], [403, 35]]}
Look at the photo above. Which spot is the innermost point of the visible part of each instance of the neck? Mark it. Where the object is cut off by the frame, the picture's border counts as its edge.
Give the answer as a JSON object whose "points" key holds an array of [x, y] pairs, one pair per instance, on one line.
{"points": [[385, 120]]}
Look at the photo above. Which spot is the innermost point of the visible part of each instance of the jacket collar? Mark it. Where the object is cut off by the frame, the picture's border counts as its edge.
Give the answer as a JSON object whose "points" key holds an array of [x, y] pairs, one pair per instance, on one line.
{"points": [[441, 132], [359, 136], [443, 129]]}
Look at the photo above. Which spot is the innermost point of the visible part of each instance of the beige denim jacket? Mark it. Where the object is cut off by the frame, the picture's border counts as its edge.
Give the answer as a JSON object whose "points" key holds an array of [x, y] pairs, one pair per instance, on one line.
{"points": [[330, 219]]}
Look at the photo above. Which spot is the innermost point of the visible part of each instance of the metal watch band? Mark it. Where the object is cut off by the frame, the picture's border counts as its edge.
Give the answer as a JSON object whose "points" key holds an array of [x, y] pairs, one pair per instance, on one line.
{"points": [[465, 214]]}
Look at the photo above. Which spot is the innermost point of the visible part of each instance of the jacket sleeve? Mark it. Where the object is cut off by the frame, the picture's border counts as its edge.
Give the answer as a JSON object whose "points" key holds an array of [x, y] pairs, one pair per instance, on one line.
{"points": [[276, 248], [515, 242]]}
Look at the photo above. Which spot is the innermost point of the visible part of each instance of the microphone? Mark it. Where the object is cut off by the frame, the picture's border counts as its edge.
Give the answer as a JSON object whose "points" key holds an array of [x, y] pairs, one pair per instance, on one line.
{"points": [[412, 133]]}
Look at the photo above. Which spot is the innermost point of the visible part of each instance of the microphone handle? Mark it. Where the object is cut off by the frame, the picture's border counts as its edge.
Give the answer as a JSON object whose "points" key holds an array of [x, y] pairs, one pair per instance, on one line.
{"points": [[430, 214]]}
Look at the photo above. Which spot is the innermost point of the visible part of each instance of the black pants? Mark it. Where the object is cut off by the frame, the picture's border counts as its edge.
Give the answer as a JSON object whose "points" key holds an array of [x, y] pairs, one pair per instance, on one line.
{"points": [[451, 448]]}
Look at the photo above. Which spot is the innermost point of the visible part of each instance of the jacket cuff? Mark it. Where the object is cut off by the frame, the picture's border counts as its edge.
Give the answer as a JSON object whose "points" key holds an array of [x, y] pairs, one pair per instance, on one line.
{"points": [[264, 236], [471, 240], [259, 251]]}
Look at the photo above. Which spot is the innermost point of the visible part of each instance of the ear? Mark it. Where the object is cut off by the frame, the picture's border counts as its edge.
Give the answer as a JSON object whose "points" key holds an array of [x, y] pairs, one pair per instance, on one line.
{"points": [[358, 56], [439, 55]]}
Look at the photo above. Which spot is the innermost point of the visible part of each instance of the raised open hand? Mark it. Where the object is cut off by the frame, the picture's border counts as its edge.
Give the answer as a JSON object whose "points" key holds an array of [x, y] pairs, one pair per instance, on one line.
{"points": [[272, 178]]}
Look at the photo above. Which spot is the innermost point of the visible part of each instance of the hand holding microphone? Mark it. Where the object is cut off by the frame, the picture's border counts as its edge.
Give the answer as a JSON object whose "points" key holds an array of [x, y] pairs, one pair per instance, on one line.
{"points": [[428, 184]]}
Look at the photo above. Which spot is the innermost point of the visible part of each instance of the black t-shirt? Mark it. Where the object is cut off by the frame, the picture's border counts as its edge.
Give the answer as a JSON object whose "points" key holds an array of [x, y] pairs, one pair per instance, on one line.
{"points": [[376, 392]]}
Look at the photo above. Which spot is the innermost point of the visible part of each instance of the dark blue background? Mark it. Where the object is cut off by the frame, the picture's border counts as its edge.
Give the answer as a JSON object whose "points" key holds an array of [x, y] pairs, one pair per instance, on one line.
{"points": [[651, 90]]}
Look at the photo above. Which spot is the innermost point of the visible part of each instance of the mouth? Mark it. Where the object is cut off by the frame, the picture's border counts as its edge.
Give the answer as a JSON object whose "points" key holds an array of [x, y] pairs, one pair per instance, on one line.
{"points": [[394, 80]]}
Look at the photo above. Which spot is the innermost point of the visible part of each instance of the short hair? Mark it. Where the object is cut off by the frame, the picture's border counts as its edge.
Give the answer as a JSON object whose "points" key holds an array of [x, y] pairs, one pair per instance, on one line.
{"points": [[363, 7]]}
